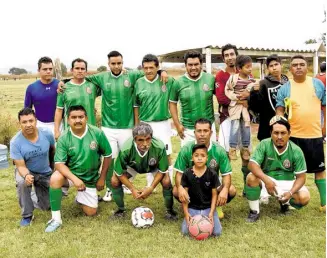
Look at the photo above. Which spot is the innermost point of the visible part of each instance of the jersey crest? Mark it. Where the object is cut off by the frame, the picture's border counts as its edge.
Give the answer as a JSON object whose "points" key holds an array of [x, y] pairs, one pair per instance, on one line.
{"points": [[88, 90], [213, 164], [127, 83], [93, 145], [164, 88], [205, 87], [286, 163], [152, 162]]}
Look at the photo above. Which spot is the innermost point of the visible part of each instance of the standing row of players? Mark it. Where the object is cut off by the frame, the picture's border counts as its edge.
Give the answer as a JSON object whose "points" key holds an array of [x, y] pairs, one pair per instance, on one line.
{"points": [[194, 90]]}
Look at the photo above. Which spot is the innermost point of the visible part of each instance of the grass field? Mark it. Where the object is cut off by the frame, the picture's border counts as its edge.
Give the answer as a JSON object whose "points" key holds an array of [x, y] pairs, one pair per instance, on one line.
{"points": [[302, 234]]}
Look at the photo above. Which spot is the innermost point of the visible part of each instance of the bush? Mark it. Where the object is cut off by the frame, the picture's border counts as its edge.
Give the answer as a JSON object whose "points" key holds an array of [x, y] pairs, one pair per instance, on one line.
{"points": [[8, 128]]}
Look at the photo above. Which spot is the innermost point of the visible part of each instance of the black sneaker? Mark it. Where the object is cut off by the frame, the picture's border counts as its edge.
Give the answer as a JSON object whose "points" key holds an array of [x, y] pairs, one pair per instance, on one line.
{"points": [[118, 214], [284, 209], [100, 198], [253, 216], [171, 215]]}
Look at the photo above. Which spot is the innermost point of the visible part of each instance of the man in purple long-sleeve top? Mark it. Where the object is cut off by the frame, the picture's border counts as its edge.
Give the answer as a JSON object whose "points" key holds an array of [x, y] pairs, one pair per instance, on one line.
{"points": [[42, 94]]}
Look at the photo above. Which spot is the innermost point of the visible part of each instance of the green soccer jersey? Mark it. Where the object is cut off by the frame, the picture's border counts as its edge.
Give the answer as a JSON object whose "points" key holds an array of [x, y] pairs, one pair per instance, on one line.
{"points": [[217, 159], [117, 97], [83, 94], [155, 159], [280, 166], [82, 155], [195, 97], [152, 99]]}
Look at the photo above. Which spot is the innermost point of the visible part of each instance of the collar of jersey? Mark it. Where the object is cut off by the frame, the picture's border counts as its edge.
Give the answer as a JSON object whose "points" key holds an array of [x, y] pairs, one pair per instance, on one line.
{"points": [[186, 75], [142, 156], [79, 137], [116, 76], [153, 80], [78, 84], [210, 145], [280, 154]]}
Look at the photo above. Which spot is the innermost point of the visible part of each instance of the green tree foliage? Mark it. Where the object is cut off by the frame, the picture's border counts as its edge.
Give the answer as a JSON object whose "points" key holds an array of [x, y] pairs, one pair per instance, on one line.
{"points": [[17, 71], [102, 68]]}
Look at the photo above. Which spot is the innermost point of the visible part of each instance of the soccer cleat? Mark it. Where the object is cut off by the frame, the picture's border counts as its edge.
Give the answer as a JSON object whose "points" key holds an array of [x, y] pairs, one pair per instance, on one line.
{"points": [[220, 212], [245, 153], [232, 154], [322, 208], [118, 214], [108, 196], [126, 190], [26, 221], [171, 215], [64, 190], [52, 226], [253, 216]]}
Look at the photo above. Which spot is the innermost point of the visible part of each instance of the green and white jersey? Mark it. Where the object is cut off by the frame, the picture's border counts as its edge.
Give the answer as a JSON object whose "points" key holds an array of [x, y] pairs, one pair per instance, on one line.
{"points": [[155, 159], [79, 94], [117, 97], [195, 97], [217, 159], [82, 155], [280, 166], [152, 99]]}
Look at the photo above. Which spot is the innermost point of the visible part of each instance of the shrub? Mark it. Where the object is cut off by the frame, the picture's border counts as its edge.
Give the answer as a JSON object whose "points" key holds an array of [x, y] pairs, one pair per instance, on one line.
{"points": [[8, 128]]}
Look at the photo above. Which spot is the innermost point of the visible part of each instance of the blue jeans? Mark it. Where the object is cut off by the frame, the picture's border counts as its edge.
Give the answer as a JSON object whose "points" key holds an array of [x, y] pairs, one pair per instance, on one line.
{"points": [[217, 226], [238, 126]]}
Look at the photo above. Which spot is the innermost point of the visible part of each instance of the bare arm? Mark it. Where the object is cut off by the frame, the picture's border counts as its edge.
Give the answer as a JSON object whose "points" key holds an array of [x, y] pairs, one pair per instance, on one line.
{"points": [[280, 111], [257, 171], [223, 194], [24, 172], [185, 210], [57, 120], [136, 115], [213, 203], [298, 183], [105, 167], [64, 170], [174, 115]]}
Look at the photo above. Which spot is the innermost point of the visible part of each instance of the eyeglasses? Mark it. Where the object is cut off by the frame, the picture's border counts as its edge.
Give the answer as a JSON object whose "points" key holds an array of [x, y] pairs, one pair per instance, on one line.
{"points": [[276, 119]]}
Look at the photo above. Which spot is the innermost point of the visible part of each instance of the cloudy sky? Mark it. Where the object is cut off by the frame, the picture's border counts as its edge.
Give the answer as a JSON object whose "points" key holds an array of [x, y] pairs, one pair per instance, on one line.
{"points": [[90, 29]]}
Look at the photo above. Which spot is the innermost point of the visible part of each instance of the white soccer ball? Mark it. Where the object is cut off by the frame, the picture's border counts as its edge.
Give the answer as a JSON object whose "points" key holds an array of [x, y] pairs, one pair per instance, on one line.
{"points": [[142, 217]]}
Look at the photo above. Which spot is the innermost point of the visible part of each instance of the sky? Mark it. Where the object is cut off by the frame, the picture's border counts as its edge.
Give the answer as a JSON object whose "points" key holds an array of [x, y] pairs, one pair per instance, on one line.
{"points": [[91, 29]]}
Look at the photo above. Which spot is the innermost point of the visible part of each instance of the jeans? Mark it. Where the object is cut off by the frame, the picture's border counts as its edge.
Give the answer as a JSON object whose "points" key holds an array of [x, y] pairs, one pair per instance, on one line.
{"points": [[238, 126], [41, 186], [217, 226]]}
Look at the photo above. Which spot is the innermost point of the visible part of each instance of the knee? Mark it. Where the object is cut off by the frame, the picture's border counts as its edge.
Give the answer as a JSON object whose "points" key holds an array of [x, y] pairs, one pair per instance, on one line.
{"points": [[304, 198], [88, 211], [252, 180], [115, 182], [56, 180], [166, 184]]}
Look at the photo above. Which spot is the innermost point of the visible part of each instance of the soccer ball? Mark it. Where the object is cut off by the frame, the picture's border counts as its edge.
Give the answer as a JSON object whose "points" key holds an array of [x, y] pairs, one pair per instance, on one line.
{"points": [[142, 217], [200, 227]]}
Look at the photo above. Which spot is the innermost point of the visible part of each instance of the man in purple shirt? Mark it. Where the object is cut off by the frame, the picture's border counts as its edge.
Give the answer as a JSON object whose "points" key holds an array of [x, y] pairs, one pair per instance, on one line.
{"points": [[42, 94]]}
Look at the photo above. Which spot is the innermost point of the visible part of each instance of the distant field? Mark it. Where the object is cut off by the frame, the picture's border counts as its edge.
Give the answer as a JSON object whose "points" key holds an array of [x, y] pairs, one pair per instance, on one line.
{"points": [[300, 235]]}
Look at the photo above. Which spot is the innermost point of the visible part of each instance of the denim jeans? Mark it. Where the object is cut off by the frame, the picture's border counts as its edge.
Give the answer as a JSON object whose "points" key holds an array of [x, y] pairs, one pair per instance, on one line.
{"points": [[217, 226], [237, 127]]}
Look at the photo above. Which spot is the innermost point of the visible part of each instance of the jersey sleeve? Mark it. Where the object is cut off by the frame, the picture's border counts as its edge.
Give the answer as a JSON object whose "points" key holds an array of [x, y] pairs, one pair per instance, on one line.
{"points": [[104, 145], [120, 163], [320, 91], [61, 151], [224, 164], [163, 161], [299, 162], [136, 99], [28, 102], [259, 154], [184, 180], [257, 96], [282, 94], [96, 79], [60, 100], [15, 152], [220, 90], [215, 180], [135, 75], [174, 93], [181, 161]]}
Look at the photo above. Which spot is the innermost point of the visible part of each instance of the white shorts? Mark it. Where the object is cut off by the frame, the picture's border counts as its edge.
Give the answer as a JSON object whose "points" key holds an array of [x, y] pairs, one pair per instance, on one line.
{"points": [[162, 131], [189, 135], [133, 172], [49, 126], [224, 133], [88, 197], [116, 138], [282, 186]]}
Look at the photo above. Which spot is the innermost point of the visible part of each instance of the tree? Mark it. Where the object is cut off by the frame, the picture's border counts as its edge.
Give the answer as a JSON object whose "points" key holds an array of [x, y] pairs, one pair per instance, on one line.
{"points": [[322, 37], [63, 69], [17, 71], [102, 68]]}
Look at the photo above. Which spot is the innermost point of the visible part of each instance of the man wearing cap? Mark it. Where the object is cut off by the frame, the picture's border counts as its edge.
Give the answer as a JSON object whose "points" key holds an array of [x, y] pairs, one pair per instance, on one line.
{"points": [[277, 169]]}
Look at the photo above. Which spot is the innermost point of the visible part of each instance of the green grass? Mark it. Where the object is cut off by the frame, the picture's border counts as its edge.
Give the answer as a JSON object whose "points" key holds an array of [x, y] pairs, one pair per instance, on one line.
{"points": [[300, 235]]}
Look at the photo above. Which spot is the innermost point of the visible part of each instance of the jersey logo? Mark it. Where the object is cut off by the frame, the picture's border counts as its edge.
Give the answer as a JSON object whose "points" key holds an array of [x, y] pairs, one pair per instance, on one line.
{"points": [[205, 87], [88, 90], [164, 88], [152, 162], [93, 145], [213, 164], [322, 164], [127, 83], [287, 163], [47, 88], [207, 183], [217, 85]]}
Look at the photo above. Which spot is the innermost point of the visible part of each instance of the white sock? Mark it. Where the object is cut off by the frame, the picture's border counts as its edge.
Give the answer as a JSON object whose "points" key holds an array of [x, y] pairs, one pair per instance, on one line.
{"points": [[171, 173], [254, 205], [149, 179], [56, 215]]}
